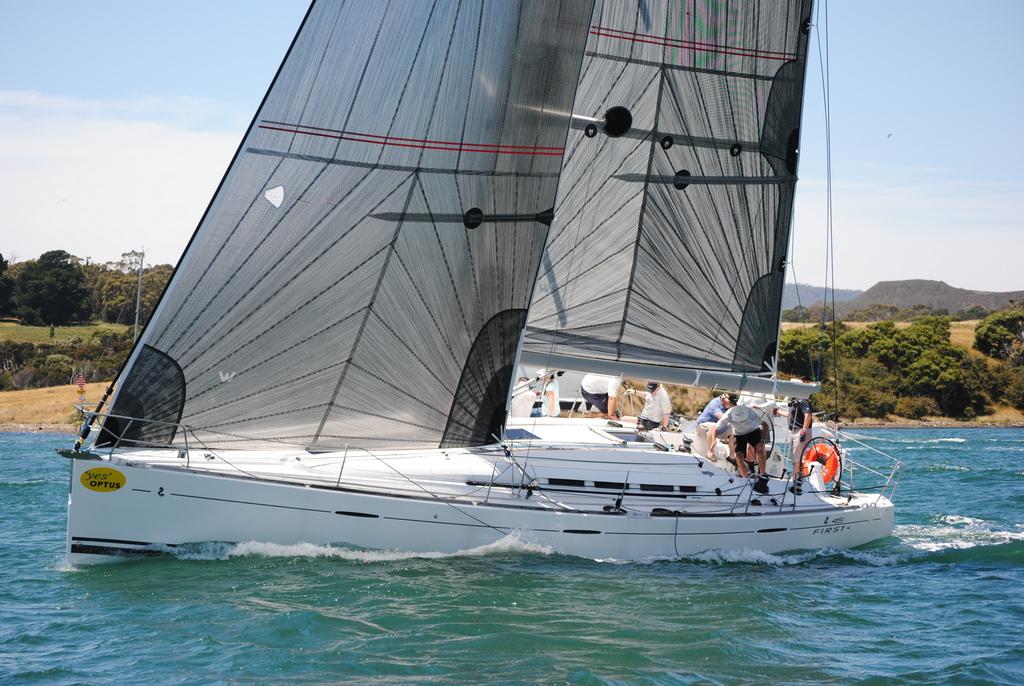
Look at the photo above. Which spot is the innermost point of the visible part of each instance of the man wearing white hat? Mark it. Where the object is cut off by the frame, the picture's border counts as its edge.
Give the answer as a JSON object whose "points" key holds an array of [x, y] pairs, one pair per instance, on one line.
{"points": [[746, 428]]}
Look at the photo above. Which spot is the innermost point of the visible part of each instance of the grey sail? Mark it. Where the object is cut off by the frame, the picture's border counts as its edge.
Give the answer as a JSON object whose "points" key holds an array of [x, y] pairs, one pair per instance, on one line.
{"points": [[363, 272], [675, 204]]}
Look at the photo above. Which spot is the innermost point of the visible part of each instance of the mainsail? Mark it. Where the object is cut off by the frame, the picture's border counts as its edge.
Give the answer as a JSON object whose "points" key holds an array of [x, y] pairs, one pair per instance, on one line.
{"points": [[676, 198], [362, 275]]}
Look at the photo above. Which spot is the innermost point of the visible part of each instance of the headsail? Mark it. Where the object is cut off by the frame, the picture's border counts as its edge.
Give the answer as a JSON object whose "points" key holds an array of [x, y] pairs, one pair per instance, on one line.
{"points": [[363, 272], [676, 198]]}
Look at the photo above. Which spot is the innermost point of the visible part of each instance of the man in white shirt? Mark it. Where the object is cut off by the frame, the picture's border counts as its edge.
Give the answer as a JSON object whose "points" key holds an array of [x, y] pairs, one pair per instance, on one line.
{"points": [[657, 408], [601, 392]]}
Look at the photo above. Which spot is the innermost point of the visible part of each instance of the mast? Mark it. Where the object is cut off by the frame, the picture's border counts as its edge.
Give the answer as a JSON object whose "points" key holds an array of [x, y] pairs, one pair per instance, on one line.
{"points": [[141, 255]]}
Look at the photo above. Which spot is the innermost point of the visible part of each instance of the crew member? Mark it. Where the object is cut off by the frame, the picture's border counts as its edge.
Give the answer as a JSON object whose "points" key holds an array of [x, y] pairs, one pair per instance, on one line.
{"points": [[801, 418], [523, 398], [601, 393], [713, 412], [746, 428], [548, 393], [657, 408]]}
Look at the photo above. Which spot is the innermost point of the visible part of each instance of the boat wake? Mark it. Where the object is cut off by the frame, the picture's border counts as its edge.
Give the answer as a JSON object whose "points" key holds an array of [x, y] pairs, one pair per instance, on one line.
{"points": [[225, 551], [948, 539], [955, 532], [922, 441]]}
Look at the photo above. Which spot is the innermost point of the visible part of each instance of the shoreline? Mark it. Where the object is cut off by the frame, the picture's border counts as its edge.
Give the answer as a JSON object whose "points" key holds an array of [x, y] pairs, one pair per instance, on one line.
{"points": [[39, 428], [846, 426], [938, 424]]}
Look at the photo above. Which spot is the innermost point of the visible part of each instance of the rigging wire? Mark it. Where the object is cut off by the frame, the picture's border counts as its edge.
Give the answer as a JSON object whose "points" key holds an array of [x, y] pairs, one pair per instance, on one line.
{"points": [[799, 302], [828, 305], [831, 235]]}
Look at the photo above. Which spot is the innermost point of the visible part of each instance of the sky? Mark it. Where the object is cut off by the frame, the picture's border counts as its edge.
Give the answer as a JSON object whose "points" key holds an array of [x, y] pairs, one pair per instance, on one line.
{"points": [[118, 119]]}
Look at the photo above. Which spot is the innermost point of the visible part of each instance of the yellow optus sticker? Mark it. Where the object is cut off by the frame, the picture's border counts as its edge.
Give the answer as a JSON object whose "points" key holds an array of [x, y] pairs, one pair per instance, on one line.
{"points": [[103, 479]]}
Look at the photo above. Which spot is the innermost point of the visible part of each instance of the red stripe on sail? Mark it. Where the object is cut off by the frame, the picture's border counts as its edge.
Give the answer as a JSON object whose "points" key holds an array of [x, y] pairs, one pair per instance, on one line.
{"points": [[696, 46], [418, 143]]}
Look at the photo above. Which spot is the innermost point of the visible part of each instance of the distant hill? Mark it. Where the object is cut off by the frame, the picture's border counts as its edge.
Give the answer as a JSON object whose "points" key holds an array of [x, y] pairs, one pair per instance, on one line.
{"points": [[810, 295], [933, 294]]}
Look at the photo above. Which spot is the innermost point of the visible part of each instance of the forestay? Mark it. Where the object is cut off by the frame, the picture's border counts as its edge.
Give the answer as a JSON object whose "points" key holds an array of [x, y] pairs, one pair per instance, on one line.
{"points": [[676, 198], [362, 274]]}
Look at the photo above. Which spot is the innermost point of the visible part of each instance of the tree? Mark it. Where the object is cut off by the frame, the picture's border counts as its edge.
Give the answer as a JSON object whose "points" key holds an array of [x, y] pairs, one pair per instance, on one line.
{"points": [[50, 290], [796, 314], [804, 351], [1015, 388], [6, 288], [115, 290], [1001, 335], [972, 312], [914, 371]]}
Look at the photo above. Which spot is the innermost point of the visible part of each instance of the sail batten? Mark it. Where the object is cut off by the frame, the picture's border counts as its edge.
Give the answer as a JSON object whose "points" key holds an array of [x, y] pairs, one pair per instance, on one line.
{"points": [[684, 143], [375, 237]]}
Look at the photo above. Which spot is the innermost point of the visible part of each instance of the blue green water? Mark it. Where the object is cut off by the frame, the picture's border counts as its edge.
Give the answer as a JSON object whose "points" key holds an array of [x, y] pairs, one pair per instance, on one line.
{"points": [[939, 602]]}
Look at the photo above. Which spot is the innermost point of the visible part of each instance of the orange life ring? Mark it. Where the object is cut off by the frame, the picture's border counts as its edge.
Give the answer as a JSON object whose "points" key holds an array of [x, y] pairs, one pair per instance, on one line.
{"points": [[824, 454]]}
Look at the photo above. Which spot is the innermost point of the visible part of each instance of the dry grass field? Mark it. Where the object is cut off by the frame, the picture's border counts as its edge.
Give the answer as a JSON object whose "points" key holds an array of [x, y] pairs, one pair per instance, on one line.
{"points": [[45, 407]]}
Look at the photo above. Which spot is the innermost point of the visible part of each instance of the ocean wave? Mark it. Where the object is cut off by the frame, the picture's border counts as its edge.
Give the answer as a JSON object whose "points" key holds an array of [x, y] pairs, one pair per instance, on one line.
{"points": [[946, 468], [960, 519], [960, 533], [759, 557], [921, 442], [18, 484], [954, 538], [225, 551]]}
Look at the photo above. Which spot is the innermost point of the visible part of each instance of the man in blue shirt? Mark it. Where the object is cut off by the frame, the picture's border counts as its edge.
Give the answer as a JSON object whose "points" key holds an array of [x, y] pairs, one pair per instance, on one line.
{"points": [[713, 412]]}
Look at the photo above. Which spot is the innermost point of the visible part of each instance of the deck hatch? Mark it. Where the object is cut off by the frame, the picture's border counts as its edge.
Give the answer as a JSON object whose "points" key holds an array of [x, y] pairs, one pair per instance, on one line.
{"points": [[664, 488], [578, 483]]}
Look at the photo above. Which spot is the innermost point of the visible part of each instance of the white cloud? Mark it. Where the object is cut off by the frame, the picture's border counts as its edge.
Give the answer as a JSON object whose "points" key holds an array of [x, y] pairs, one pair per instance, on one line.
{"points": [[181, 111], [99, 177]]}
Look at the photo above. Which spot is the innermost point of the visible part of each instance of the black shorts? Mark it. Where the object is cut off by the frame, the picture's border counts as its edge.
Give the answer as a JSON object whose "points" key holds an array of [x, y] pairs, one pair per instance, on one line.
{"points": [[647, 424], [598, 400], [753, 439]]}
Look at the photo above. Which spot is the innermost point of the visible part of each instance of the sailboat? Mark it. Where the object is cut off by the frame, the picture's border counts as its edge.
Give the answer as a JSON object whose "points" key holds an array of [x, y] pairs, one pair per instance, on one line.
{"points": [[332, 358]]}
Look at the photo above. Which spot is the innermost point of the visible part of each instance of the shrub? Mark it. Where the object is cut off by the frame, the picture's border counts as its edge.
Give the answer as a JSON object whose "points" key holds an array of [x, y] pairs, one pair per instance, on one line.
{"points": [[916, 408]]}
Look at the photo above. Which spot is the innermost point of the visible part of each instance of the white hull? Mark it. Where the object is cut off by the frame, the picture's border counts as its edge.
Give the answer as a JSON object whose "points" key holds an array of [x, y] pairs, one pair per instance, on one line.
{"points": [[440, 501]]}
